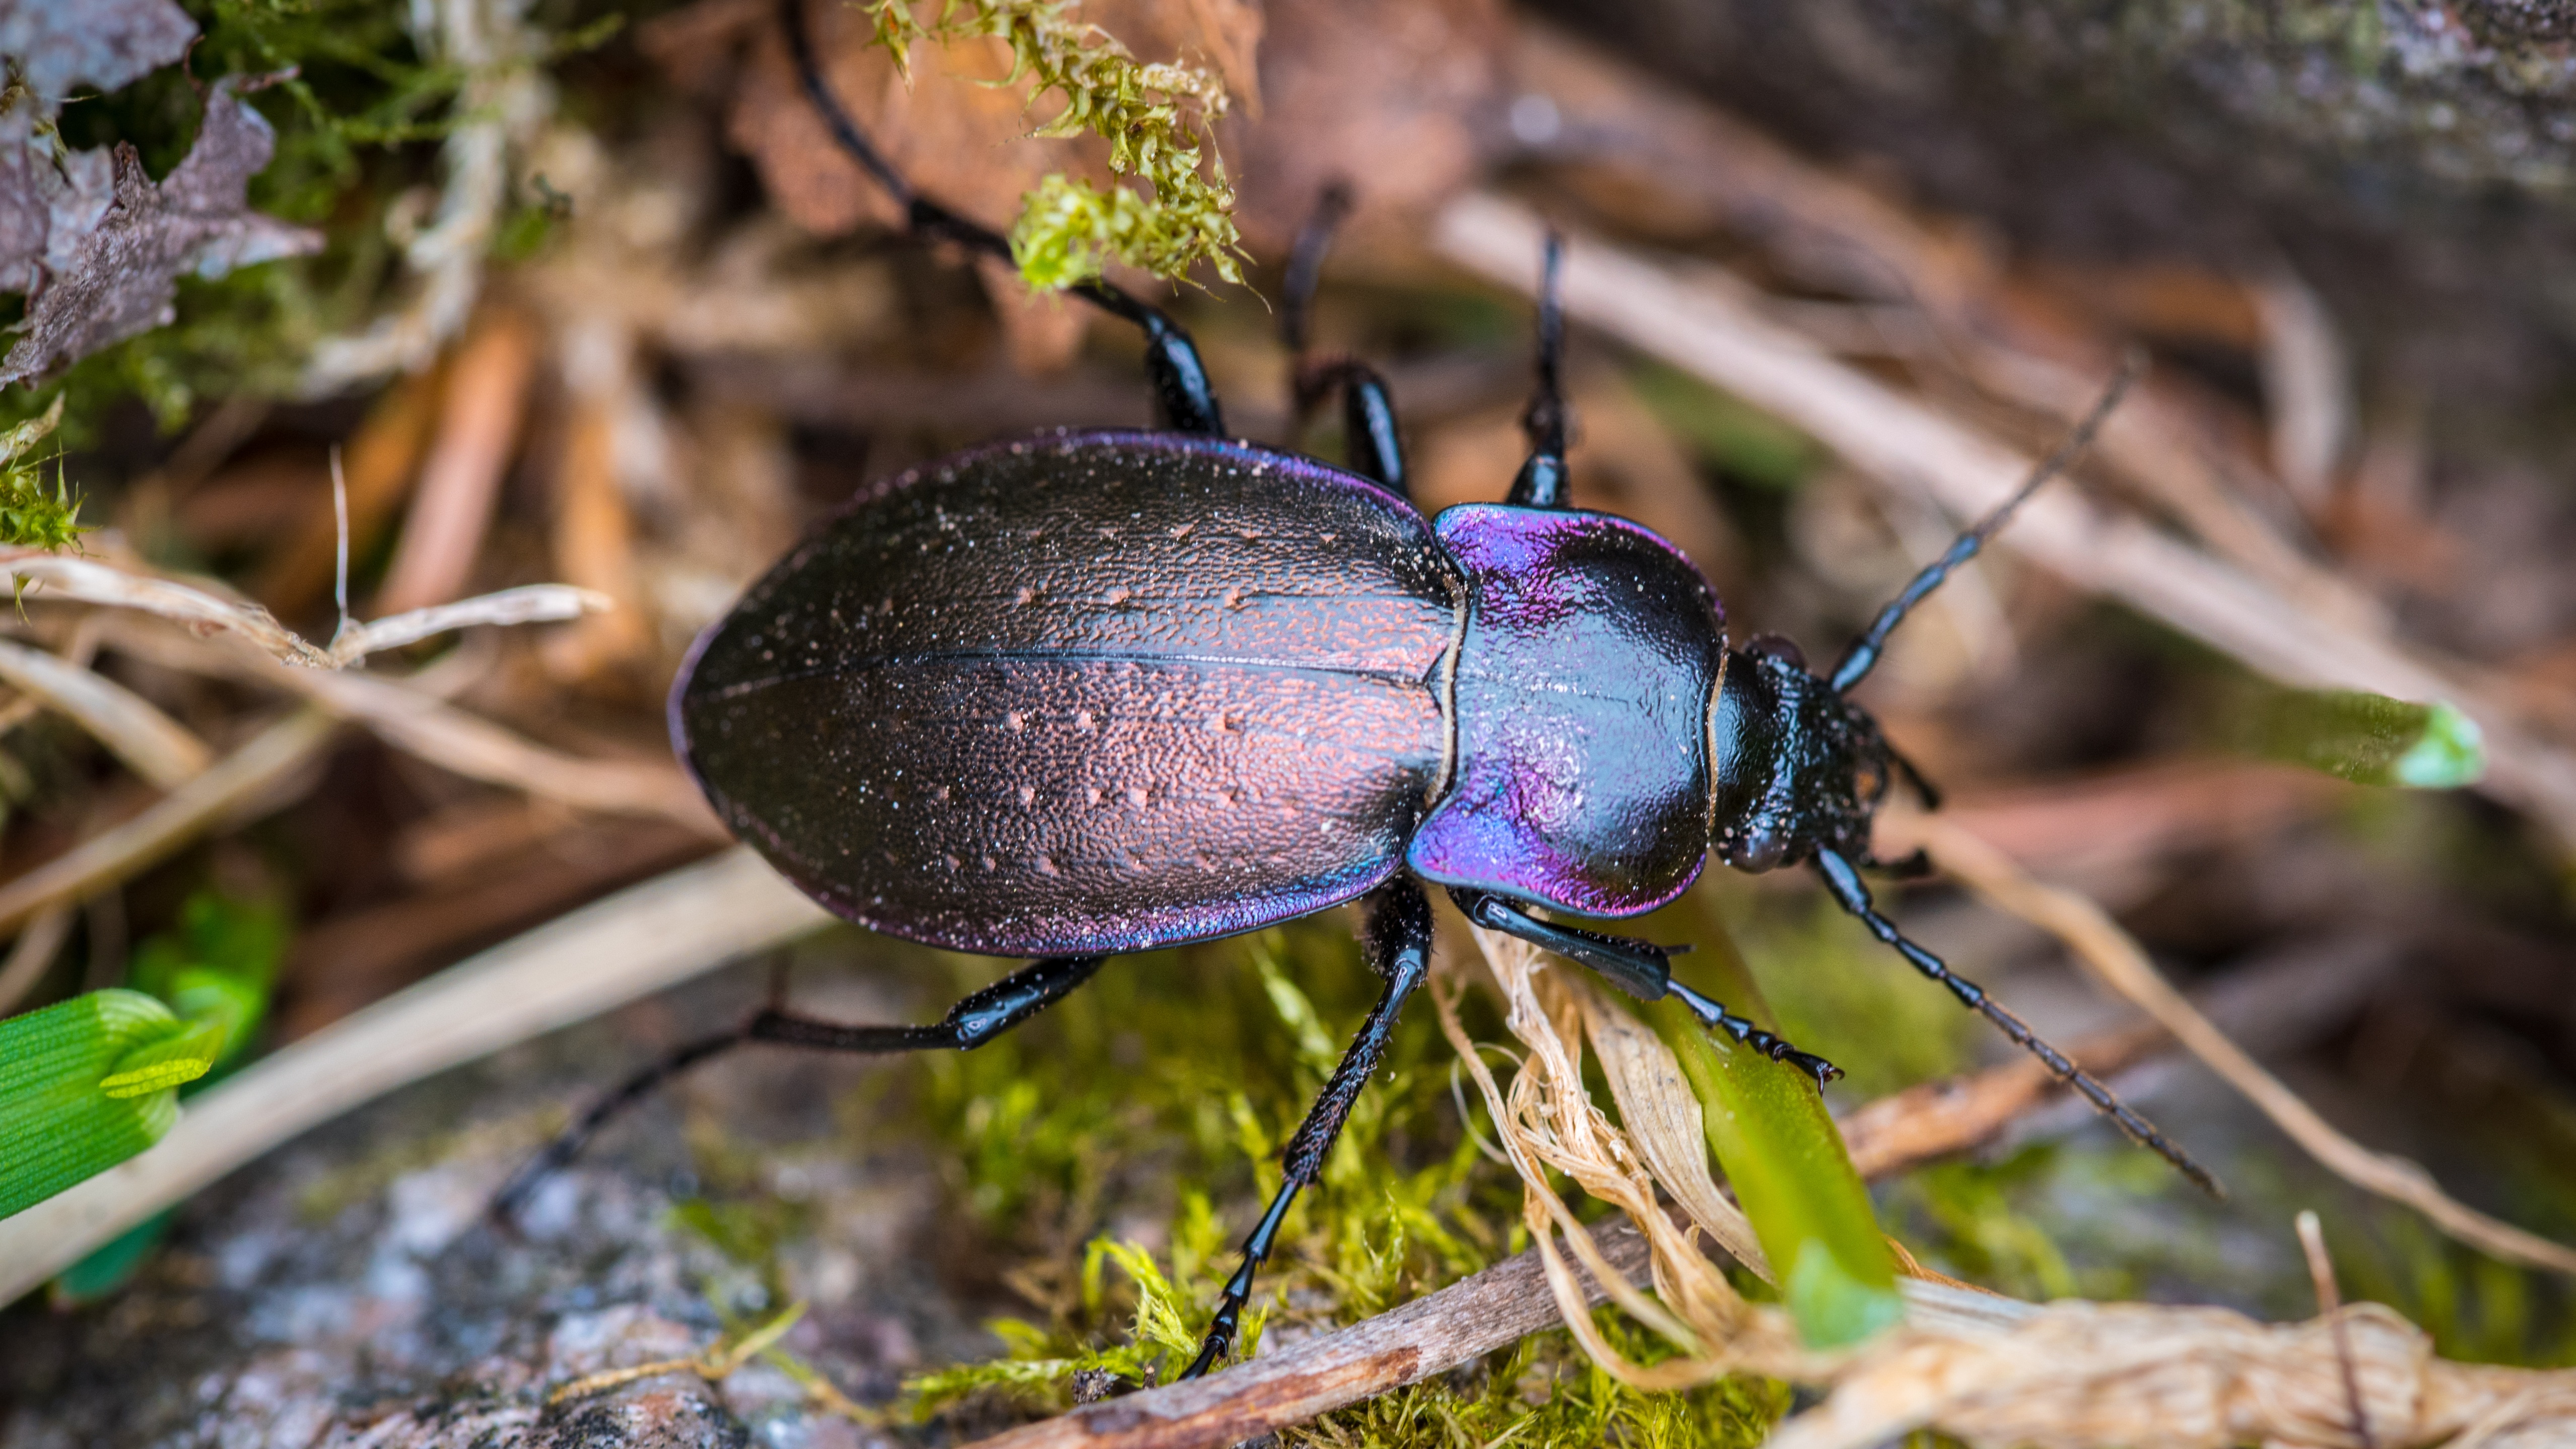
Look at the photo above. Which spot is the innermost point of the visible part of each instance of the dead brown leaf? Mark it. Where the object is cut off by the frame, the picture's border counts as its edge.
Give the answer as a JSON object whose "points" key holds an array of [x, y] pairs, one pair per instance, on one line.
{"points": [[1406, 104], [59, 44], [115, 243]]}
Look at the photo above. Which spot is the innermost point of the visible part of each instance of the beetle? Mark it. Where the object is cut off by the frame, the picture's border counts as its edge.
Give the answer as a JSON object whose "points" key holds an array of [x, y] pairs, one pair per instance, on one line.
{"points": [[1097, 692]]}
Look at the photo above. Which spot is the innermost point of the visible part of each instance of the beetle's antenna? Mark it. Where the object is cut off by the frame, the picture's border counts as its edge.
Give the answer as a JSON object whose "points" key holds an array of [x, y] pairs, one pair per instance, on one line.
{"points": [[1542, 480], [1848, 890], [1180, 379], [1862, 656]]}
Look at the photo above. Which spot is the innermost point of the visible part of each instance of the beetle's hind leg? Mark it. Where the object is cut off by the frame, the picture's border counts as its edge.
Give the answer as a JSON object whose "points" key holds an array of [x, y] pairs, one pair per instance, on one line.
{"points": [[1181, 391], [970, 1023], [1640, 968], [1397, 935], [1844, 881], [1376, 449]]}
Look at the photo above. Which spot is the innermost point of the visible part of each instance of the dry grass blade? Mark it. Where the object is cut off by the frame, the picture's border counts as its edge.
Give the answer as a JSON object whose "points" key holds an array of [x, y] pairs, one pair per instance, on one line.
{"points": [[2078, 1375], [2117, 961], [527, 604], [597, 958], [247, 774], [1703, 324], [151, 743], [59, 579], [33, 955]]}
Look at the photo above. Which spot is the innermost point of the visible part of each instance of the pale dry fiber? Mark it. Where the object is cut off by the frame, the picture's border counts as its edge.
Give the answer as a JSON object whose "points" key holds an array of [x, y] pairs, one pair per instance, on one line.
{"points": [[59, 578], [590, 961], [151, 744], [2117, 961], [1701, 320]]}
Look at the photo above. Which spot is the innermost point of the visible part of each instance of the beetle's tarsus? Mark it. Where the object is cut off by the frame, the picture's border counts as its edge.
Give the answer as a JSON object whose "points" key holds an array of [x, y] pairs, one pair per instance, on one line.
{"points": [[1716, 1017]]}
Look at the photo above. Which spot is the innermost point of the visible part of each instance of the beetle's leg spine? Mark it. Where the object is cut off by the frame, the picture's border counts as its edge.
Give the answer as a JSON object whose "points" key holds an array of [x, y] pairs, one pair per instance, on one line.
{"points": [[1181, 391], [972, 1022], [1398, 941], [1844, 881]]}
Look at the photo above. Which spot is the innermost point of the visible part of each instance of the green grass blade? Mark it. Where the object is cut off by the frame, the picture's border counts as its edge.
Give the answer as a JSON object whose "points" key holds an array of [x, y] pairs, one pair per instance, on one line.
{"points": [[2367, 738], [57, 1125], [1768, 1129]]}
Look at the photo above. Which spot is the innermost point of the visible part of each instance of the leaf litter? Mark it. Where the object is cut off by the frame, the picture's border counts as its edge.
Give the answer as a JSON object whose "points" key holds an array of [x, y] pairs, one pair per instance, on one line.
{"points": [[115, 243]]}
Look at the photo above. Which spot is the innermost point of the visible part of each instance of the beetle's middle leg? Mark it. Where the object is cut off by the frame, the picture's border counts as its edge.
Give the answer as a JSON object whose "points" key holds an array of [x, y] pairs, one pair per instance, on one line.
{"points": [[1640, 968], [1182, 394], [1397, 935], [1376, 449], [970, 1023]]}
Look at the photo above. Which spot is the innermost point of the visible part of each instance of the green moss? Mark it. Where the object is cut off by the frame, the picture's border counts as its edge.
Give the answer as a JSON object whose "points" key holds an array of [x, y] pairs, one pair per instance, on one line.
{"points": [[1157, 1098], [1156, 119]]}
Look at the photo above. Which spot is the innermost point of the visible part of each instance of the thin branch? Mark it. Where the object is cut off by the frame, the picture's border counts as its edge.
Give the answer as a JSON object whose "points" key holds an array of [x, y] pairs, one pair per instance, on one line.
{"points": [[56, 578], [600, 957]]}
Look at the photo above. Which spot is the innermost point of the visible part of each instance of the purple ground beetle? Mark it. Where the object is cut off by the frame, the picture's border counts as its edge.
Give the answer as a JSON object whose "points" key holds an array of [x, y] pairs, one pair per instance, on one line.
{"points": [[1090, 693]]}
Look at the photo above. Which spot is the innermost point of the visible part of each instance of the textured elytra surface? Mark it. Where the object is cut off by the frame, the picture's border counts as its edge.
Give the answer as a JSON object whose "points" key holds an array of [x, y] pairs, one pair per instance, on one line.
{"points": [[1094, 691], [1582, 697]]}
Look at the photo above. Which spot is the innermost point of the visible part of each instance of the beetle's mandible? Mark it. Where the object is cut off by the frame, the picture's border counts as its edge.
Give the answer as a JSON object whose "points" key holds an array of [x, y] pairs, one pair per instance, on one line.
{"points": [[1099, 692]]}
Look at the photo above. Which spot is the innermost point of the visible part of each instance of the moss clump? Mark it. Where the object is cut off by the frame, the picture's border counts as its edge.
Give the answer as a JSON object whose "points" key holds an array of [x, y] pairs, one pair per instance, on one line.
{"points": [[1158, 1098], [1156, 119]]}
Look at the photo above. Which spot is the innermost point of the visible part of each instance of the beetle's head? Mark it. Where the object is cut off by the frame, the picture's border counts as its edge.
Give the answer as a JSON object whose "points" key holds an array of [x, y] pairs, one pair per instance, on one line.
{"points": [[1796, 766]]}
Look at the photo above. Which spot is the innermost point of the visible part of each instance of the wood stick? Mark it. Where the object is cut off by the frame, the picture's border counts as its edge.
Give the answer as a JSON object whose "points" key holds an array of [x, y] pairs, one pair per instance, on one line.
{"points": [[1427, 1336]]}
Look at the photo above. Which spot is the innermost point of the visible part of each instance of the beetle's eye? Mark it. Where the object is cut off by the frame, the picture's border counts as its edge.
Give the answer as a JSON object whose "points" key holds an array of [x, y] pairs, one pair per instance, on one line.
{"points": [[1777, 646]]}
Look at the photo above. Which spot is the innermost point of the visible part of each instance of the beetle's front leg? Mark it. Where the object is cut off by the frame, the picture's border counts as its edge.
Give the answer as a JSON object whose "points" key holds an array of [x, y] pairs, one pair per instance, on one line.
{"points": [[1640, 968], [1397, 936]]}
